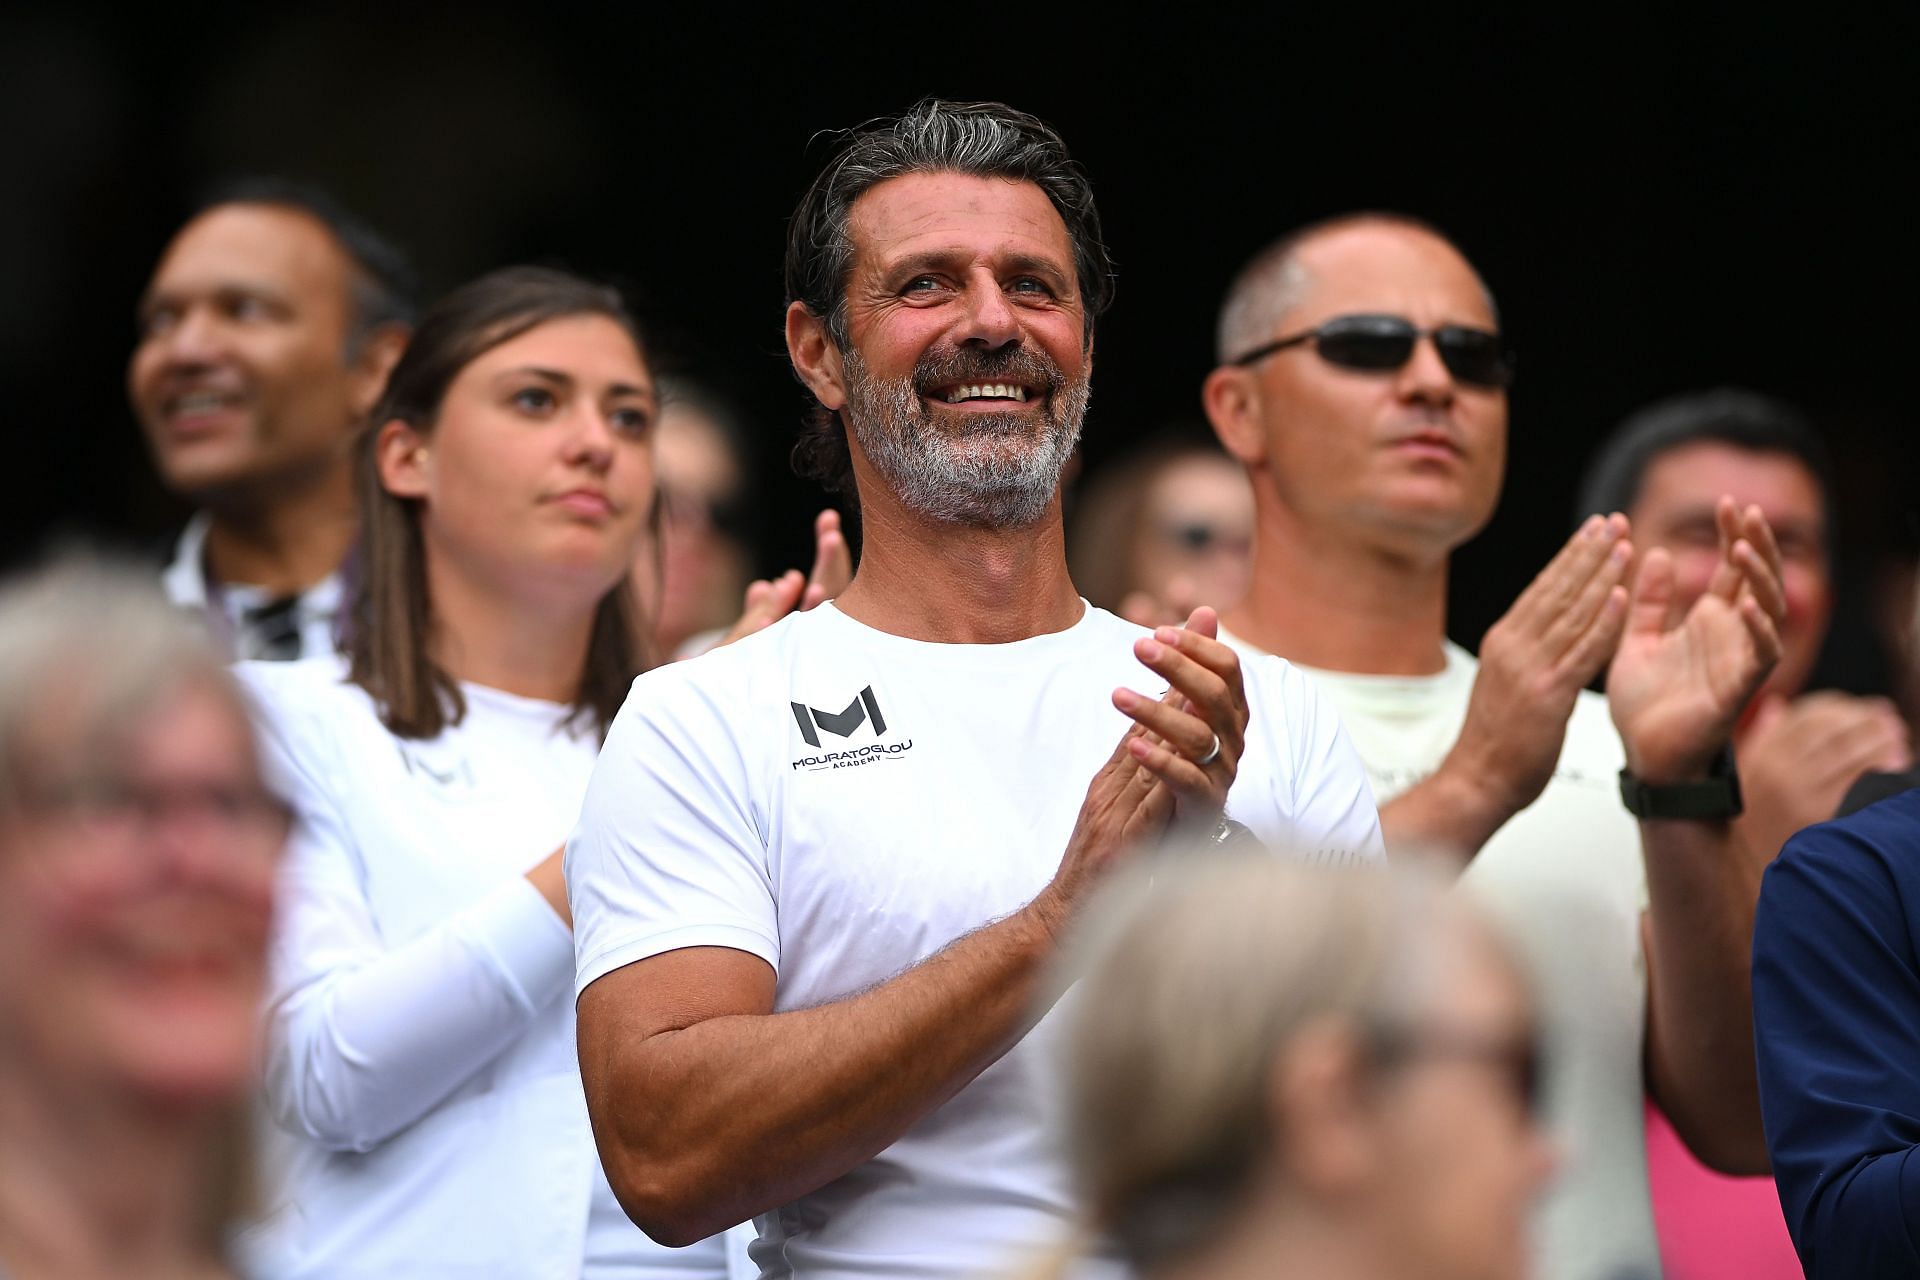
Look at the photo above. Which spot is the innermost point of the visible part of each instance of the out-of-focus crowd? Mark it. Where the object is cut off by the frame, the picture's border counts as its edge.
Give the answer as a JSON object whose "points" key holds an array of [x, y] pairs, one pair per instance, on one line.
{"points": [[451, 862]]}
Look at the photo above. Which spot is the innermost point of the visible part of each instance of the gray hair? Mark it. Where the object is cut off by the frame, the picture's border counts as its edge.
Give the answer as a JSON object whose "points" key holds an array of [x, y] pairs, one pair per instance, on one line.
{"points": [[1195, 970], [1274, 280], [981, 139], [93, 642]]}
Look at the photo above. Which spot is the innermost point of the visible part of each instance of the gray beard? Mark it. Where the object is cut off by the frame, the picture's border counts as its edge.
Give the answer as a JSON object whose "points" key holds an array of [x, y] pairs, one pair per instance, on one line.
{"points": [[985, 469]]}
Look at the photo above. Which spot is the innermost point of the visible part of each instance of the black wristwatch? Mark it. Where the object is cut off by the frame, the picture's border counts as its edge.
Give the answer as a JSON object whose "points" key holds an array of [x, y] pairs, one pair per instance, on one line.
{"points": [[1228, 834], [1714, 798]]}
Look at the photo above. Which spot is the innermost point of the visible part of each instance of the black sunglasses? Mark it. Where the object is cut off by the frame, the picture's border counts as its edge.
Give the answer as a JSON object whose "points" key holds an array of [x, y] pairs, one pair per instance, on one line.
{"points": [[1376, 342]]}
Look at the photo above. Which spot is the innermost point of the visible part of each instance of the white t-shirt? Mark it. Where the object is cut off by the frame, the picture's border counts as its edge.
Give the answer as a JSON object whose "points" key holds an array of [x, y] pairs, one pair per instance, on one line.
{"points": [[421, 1042], [1565, 879], [842, 803]]}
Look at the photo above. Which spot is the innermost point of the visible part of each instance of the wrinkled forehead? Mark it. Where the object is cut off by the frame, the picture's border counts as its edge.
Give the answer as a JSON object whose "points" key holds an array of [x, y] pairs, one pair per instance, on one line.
{"points": [[1392, 269], [958, 216]]}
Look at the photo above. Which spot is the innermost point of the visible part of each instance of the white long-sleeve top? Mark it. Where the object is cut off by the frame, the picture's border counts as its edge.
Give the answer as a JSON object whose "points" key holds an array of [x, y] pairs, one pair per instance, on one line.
{"points": [[420, 1041]]}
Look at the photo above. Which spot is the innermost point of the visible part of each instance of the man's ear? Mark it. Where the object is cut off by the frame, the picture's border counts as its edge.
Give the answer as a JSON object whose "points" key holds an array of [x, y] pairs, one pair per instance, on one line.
{"points": [[815, 357], [1232, 401], [405, 463], [378, 353]]}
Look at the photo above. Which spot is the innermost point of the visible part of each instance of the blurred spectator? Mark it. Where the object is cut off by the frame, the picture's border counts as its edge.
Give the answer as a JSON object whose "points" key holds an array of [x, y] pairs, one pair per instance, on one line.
{"points": [[1162, 530], [137, 858], [1363, 384], [421, 1036], [1281, 1070], [265, 335], [706, 499], [692, 572], [1666, 467]]}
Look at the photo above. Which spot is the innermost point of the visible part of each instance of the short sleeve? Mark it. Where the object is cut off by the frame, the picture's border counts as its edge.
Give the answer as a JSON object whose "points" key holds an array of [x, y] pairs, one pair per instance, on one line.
{"points": [[670, 851], [1328, 799]]}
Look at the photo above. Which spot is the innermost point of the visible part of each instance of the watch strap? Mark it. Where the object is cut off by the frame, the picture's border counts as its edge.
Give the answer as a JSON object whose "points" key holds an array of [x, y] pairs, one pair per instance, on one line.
{"points": [[1715, 797]]}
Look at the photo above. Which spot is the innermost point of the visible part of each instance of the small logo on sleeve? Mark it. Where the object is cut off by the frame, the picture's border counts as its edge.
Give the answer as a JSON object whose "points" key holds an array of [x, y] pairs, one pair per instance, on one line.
{"points": [[863, 711]]}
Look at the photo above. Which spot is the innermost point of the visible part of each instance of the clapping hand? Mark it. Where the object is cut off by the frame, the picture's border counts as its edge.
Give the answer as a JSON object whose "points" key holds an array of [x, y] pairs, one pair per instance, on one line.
{"points": [[1178, 757], [770, 599], [1799, 757], [1535, 661], [1192, 738], [1679, 682]]}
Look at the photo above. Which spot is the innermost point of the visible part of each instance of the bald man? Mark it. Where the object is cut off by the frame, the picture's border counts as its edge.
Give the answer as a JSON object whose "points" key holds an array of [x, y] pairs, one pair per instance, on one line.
{"points": [[1363, 384]]}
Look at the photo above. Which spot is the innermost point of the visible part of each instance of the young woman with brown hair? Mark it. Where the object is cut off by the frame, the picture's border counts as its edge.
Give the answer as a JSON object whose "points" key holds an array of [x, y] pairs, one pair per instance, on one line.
{"points": [[421, 1037]]}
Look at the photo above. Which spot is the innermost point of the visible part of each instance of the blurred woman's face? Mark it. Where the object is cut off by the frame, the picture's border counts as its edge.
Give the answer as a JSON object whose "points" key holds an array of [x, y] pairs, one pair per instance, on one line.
{"points": [[136, 889], [536, 478], [704, 570], [1194, 542], [1462, 1156]]}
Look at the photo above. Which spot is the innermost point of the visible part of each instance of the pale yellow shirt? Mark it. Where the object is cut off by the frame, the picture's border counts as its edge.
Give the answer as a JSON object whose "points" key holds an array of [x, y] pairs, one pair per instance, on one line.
{"points": [[1566, 880]]}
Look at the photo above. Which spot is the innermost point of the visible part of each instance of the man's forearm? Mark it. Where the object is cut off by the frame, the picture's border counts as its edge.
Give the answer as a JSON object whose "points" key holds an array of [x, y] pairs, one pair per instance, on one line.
{"points": [[1699, 936], [705, 1126], [1445, 814]]}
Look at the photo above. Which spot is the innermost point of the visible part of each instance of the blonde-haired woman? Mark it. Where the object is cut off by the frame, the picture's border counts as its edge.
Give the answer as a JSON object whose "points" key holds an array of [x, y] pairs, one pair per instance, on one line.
{"points": [[138, 848], [1281, 1070]]}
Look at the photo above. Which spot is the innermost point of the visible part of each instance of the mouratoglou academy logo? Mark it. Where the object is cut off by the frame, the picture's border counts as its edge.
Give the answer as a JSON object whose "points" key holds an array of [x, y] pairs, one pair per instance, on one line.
{"points": [[863, 710]]}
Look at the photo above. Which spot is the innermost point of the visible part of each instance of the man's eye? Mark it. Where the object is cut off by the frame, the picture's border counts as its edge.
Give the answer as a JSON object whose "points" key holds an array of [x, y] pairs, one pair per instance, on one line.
{"points": [[249, 308], [158, 321], [1032, 285], [534, 399], [921, 284]]}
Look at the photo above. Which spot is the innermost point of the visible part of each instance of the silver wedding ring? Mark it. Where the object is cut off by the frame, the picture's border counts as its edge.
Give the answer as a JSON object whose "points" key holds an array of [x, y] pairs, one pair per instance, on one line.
{"points": [[1213, 753]]}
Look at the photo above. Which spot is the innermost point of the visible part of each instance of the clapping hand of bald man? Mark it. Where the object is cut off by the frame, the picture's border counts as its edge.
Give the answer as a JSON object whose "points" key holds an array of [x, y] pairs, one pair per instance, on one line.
{"points": [[770, 599], [1177, 760], [1533, 664]]}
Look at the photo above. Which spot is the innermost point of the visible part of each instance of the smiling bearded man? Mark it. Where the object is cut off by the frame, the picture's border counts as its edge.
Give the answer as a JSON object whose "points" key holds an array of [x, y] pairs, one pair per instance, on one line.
{"points": [[818, 871], [978, 471]]}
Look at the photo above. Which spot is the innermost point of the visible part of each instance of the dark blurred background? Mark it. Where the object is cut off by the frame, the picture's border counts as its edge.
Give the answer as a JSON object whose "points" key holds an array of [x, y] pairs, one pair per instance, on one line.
{"points": [[1683, 201]]}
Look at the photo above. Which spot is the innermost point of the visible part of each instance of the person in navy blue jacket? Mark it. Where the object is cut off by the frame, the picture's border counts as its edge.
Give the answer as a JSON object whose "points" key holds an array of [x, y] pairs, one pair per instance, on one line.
{"points": [[1836, 1006]]}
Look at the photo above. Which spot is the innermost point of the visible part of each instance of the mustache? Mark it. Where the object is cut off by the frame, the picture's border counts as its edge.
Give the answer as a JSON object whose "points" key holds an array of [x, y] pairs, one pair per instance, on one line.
{"points": [[1013, 363]]}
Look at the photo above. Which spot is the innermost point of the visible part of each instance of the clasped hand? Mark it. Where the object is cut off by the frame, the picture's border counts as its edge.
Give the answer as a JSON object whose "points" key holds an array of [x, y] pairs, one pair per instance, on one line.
{"points": [[1178, 758]]}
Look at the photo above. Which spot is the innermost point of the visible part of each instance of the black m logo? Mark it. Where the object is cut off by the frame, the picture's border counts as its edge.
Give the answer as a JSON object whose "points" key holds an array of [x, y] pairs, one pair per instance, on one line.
{"points": [[840, 723]]}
